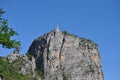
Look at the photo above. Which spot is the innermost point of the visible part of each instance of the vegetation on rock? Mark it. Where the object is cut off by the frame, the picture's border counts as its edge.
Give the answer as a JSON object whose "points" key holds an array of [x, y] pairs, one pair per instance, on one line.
{"points": [[69, 34], [9, 72]]}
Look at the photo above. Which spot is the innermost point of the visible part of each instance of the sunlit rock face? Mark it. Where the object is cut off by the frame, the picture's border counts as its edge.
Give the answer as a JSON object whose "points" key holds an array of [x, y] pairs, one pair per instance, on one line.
{"points": [[63, 56]]}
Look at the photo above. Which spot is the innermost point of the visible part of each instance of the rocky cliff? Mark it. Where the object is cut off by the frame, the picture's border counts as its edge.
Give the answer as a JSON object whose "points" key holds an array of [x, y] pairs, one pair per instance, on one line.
{"points": [[63, 56]]}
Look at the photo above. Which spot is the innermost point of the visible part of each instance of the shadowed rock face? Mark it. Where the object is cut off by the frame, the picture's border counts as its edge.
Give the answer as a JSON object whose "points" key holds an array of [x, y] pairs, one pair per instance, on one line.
{"points": [[63, 56]]}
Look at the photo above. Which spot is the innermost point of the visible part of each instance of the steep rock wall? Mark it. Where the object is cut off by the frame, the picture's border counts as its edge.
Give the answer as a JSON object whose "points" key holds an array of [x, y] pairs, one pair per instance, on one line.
{"points": [[63, 56]]}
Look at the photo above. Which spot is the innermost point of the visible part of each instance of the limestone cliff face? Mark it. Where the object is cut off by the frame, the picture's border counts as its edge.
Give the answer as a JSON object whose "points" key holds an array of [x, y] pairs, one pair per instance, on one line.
{"points": [[63, 56]]}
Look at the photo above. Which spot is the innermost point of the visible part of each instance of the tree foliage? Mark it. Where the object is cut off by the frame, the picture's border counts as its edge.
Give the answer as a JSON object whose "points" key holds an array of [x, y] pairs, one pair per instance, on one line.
{"points": [[6, 33]]}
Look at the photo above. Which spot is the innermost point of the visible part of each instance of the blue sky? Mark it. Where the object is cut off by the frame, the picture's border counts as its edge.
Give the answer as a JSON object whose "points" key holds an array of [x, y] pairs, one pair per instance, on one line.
{"points": [[98, 20]]}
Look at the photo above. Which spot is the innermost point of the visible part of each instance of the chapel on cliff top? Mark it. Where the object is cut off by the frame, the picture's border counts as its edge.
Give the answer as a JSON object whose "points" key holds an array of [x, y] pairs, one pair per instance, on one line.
{"points": [[57, 29]]}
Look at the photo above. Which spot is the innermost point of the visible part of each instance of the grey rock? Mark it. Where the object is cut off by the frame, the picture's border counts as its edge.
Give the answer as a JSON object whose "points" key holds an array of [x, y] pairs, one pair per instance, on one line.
{"points": [[25, 65], [63, 56], [28, 66], [12, 57]]}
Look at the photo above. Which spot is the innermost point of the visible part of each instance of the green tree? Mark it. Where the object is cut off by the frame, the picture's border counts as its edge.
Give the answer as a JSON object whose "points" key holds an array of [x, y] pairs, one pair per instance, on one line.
{"points": [[6, 33]]}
